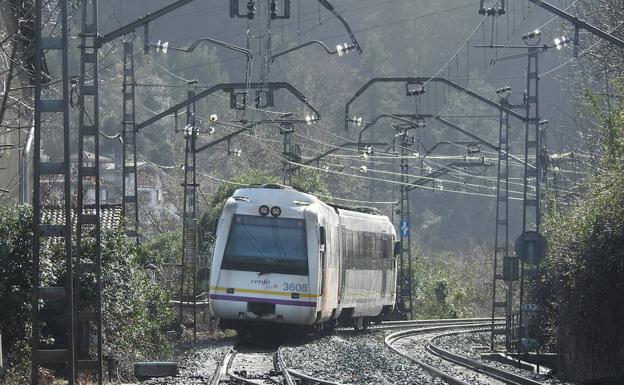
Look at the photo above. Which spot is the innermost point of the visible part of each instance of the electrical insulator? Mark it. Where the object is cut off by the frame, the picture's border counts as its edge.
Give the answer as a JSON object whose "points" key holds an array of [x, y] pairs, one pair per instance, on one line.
{"points": [[357, 121], [162, 46], [532, 35], [561, 42]]}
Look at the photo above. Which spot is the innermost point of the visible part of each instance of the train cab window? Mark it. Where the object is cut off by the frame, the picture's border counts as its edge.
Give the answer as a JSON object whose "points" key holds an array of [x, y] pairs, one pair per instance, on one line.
{"points": [[266, 245]]}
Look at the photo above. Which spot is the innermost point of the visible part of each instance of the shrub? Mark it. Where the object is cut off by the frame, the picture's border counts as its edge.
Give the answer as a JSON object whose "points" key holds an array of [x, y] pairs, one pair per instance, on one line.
{"points": [[582, 280], [136, 310]]}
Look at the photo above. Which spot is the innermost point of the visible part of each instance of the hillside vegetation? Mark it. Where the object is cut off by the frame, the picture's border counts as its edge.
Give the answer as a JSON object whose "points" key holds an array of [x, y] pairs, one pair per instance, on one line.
{"points": [[582, 278]]}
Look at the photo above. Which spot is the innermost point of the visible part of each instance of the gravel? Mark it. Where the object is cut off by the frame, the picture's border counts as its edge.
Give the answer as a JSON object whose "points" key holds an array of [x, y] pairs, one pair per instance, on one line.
{"points": [[355, 358], [473, 344], [415, 346], [198, 365]]}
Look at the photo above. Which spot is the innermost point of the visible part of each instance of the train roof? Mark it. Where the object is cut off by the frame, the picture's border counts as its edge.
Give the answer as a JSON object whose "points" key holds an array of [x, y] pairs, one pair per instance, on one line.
{"points": [[258, 191]]}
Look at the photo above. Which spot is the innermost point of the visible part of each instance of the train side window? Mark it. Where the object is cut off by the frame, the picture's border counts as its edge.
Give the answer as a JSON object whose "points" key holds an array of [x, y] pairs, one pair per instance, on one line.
{"points": [[322, 235], [384, 245]]}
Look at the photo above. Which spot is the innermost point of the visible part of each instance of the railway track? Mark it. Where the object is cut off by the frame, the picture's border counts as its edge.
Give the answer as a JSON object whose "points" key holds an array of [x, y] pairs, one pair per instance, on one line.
{"points": [[449, 366], [247, 363], [388, 325], [259, 366]]}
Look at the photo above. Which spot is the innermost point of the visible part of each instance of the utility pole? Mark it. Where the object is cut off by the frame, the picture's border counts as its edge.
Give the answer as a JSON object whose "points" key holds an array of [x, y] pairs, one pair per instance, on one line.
{"points": [[535, 156], [59, 165], [88, 309], [129, 197], [287, 130], [405, 238], [508, 272], [188, 268], [531, 206]]}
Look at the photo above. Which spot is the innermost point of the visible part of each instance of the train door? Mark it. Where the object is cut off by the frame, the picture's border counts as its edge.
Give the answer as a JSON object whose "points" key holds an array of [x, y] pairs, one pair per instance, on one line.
{"points": [[325, 250], [385, 263], [323, 258]]}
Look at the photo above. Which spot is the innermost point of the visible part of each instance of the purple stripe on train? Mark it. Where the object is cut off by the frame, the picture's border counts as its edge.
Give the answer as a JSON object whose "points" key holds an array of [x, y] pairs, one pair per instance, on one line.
{"points": [[263, 300]]}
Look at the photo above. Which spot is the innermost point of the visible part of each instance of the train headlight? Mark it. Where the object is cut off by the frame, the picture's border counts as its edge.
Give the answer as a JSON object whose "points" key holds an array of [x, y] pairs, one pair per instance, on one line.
{"points": [[276, 211], [264, 210]]}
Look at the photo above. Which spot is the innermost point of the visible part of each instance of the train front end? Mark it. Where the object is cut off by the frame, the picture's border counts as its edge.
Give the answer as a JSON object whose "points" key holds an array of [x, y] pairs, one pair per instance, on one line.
{"points": [[264, 268]]}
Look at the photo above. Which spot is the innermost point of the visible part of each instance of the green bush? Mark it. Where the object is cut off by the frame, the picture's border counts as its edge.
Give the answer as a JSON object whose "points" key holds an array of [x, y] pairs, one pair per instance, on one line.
{"points": [[136, 311], [582, 277], [449, 286], [582, 280], [15, 291]]}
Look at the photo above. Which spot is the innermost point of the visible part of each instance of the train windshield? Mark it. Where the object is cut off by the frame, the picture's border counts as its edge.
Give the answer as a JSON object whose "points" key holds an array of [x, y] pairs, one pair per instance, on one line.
{"points": [[266, 245]]}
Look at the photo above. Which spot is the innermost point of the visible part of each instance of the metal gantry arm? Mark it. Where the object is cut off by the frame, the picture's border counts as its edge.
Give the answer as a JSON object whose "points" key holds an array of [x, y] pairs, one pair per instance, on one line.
{"points": [[141, 22], [486, 143], [578, 23], [430, 150], [223, 139], [220, 43], [318, 42], [332, 9], [232, 87], [442, 171], [416, 80], [409, 118], [405, 118], [340, 147]]}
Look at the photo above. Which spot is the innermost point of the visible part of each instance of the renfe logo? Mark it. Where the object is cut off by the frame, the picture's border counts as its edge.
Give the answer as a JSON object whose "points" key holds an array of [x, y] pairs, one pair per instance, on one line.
{"points": [[266, 283]]}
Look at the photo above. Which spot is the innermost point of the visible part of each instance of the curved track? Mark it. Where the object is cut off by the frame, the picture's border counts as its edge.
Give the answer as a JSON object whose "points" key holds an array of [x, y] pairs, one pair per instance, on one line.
{"points": [[446, 365], [265, 365]]}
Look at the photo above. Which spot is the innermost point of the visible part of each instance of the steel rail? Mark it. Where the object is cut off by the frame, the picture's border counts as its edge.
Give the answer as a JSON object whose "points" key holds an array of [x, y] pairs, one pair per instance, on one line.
{"points": [[479, 367], [302, 376], [387, 325], [225, 369], [393, 337], [280, 365], [222, 368]]}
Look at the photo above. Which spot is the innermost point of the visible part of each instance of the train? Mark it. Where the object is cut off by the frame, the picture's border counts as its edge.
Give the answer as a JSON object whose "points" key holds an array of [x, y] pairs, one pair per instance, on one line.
{"points": [[286, 258]]}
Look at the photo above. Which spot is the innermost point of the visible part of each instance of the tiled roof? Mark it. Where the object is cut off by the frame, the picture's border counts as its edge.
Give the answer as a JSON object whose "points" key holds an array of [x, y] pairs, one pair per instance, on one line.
{"points": [[110, 216]]}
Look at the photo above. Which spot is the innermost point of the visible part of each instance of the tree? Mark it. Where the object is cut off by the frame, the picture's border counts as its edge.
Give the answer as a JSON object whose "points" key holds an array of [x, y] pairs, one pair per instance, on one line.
{"points": [[136, 310]]}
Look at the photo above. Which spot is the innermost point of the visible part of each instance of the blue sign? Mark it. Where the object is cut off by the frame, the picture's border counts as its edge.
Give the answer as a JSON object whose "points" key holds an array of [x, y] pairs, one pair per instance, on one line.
{"points": [[404, 228]]}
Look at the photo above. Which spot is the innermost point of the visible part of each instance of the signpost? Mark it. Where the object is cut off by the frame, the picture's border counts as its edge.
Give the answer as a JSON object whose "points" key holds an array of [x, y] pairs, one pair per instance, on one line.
{"points": [[530, 247], [404, 228]]}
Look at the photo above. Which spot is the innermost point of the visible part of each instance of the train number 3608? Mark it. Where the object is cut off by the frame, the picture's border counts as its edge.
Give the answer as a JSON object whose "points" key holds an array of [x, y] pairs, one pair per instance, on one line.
{"points": [[296, 287]]}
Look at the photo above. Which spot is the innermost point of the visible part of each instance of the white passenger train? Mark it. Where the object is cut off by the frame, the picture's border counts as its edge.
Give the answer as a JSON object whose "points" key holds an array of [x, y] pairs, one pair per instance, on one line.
{"points": [[284, 257]]}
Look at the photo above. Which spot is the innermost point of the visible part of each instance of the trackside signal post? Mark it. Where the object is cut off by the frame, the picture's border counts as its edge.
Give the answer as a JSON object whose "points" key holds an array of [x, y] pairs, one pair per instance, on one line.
{"points": [[188, 269], [405, 281], [130, 196], [57, 46], [505, 267]]}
